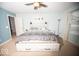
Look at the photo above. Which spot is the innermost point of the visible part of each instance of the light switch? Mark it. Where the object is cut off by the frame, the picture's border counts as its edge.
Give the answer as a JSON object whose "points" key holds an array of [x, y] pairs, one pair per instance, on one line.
{"points": [[7, 27]]}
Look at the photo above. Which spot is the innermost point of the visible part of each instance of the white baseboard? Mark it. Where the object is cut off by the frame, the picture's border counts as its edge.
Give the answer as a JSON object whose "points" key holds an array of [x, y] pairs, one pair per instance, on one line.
{"points": [[73, 43], [6, 41]]}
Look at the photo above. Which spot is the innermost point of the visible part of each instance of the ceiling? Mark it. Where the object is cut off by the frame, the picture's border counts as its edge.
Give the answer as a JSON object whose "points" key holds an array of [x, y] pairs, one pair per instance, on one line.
{"points": [[19, 7]]}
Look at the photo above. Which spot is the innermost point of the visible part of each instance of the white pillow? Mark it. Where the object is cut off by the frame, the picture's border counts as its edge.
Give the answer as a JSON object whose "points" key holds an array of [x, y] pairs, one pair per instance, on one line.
{"points": [[34, 29]]}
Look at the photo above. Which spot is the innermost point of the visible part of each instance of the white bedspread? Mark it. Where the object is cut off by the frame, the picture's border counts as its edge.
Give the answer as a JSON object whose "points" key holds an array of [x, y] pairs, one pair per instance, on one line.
{"points": [[37, 46]]}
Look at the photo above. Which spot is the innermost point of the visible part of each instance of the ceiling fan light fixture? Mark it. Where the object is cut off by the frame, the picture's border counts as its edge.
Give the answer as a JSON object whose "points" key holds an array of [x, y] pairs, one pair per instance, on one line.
{"points": [[36, 4]]}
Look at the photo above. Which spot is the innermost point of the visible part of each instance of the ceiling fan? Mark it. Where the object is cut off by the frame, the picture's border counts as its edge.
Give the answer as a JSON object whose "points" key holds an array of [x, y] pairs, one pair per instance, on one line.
{"points": [[36, 5]]}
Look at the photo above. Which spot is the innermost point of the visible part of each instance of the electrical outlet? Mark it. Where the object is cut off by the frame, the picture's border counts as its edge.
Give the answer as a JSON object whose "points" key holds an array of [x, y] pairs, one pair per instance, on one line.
{"points": [[0, 40]]}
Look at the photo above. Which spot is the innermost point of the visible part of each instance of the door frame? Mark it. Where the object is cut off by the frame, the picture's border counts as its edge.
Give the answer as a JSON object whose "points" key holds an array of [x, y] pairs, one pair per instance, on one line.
{"points": [[9, 23]]}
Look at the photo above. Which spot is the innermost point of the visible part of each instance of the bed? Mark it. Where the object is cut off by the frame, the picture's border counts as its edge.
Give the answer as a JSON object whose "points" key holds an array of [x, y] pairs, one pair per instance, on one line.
{"points": [[37, 41]]}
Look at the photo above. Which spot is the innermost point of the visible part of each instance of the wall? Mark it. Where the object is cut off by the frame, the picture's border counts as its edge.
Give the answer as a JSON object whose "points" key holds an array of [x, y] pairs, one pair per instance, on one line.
{"points": [[18, 25], [23, 19], [4, 25]]}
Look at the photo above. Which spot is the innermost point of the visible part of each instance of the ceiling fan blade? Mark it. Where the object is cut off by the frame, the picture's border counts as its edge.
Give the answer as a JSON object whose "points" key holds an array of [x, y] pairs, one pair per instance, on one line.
{"points": [[29, 4], [43, 5]]}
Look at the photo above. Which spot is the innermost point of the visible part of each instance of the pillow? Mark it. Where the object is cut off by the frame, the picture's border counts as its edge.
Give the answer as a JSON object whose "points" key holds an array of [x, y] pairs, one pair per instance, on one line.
{"points": [[34, 29]]}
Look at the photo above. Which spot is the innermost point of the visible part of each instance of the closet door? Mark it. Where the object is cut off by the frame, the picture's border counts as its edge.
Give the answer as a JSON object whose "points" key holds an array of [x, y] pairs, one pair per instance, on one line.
{"points": [[74, 30]]}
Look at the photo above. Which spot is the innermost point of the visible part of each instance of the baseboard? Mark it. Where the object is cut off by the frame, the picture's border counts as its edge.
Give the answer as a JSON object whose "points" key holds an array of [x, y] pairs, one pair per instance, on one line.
{"points": [[74, 43], [6, 41]]}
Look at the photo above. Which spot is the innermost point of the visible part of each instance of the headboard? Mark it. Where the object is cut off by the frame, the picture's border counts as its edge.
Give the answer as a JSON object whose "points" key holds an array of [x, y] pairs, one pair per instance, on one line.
{"points": [[38, 24]]}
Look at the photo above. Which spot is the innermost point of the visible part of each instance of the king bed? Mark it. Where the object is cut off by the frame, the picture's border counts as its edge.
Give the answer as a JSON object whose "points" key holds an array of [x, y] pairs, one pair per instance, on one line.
{"points": [[36, 39]]}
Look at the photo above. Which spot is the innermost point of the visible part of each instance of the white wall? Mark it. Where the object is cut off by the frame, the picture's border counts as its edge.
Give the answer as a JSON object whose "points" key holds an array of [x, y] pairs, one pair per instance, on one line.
{"points": [[23, 20], [18, 25]]}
